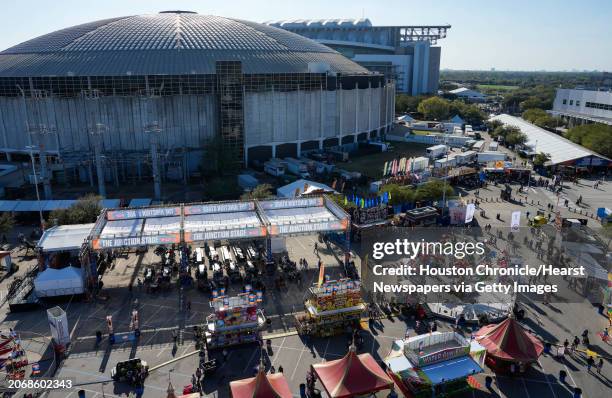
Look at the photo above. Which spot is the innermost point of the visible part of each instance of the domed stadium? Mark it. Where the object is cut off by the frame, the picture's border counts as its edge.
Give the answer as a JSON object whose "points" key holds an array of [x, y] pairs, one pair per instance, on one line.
{"points": [[176, 81]]}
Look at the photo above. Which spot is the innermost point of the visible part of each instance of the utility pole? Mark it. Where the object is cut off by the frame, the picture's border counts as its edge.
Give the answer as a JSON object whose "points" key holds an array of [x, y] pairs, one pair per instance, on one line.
{"points": [[153, 129], [97, 132]]}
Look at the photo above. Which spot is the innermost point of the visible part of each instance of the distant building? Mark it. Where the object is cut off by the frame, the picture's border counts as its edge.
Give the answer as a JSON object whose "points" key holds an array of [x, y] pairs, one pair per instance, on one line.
{"points": [[583, 106], [406, 54], [562, 151], [469, 94]]}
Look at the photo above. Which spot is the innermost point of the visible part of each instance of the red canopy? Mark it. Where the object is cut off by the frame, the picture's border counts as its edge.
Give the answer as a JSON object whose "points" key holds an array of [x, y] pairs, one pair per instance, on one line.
{"points": [[261, 386], [510, 342], [352, 375]]}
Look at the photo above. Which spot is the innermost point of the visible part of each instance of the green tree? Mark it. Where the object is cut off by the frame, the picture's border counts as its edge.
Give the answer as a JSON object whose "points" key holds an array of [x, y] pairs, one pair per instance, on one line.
{"points": [[7, 222], [595, 136], [514, 138], [434, 108], [548, 121], [531, 102], [407, 103], [532, 114], [540, 159], [434, 190], [400, 194], [262, 191], [493, 124], [85, 210]]}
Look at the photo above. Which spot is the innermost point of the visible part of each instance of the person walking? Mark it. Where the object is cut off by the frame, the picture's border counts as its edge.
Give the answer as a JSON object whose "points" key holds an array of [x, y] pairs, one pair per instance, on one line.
{"points": [[590, 363], [315, 250], [599, 365]]}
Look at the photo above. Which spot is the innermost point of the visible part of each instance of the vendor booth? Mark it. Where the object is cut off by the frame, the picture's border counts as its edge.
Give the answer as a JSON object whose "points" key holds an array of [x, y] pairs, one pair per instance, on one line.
{"points": [[508, 343], [235, 320], [331, 308], [435, 364], [352, 376]]}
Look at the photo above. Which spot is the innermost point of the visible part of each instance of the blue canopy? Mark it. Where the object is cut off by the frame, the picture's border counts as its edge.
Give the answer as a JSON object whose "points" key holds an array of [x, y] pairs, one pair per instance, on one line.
{"points": [[453, 369]]}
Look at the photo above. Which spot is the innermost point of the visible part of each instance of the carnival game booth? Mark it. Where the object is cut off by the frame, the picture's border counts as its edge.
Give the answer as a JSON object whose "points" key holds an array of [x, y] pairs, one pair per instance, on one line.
{"points": [[331, 308], [235, 320], [435, 364], [352, 376], [508, 343]]}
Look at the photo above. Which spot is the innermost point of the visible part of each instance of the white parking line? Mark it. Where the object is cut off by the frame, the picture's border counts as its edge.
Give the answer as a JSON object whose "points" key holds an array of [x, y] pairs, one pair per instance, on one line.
{"points": [[297, 363], [278, 351]]}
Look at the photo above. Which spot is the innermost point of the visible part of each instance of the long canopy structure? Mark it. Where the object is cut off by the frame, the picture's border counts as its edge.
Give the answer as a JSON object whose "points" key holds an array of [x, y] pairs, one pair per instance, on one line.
{"points": [[261, 386], [197, 222], [508, 341], [352, 375]]}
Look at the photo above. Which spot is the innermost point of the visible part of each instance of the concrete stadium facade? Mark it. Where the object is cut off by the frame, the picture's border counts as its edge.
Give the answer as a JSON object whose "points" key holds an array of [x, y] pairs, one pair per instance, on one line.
{"points": [[133, 89]]}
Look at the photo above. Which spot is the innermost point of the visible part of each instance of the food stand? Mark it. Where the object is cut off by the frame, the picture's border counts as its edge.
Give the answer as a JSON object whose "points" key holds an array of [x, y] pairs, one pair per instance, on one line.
{"points": [[435, 364], [235, 320], [331, 308]]}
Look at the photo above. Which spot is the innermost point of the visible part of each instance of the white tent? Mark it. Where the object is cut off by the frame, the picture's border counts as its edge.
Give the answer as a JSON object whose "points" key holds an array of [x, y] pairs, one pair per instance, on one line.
{"points": [[64, 237], [303, 187], [59, 282], [406, 119]]}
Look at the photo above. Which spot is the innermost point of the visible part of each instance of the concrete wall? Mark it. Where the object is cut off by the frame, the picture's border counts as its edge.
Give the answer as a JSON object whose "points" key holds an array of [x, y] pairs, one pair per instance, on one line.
{"points": [[186, 121], [271, 118]]}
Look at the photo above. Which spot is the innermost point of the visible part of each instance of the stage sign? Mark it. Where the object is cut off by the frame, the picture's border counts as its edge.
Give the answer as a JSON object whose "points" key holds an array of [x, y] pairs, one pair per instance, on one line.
{"points": [[291, 203], [469, 212], [252, 232], [289, 229], [151, 212], [146, 240], [219, 208]]}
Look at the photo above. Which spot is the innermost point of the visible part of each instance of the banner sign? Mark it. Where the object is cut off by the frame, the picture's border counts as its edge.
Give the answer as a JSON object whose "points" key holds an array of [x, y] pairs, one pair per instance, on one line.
{"points": [[291, 203], [443, 355], [288, 229], [145, 240], [143, 213], [219, 208], [515, 223], [252, 232], [469, 212], [457, 214]]}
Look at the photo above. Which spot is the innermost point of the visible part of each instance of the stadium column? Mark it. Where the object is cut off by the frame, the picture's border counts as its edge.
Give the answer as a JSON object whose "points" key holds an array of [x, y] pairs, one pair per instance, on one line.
{"points": [[356, 110]]}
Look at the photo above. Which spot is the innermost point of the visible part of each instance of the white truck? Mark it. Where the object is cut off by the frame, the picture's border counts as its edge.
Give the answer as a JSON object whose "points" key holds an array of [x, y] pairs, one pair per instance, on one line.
{"points": [[493, 146], [275, 167], [485, 157], [436, 151], [297, 168]]}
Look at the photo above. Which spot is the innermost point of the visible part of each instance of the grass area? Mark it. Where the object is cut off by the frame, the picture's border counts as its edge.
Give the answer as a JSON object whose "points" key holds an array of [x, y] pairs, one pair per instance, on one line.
{"points": [[495, 87], [372, 165]]}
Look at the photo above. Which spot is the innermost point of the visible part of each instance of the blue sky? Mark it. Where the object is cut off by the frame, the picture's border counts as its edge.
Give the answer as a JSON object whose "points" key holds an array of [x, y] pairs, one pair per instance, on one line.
{"points": [[515, 35]]}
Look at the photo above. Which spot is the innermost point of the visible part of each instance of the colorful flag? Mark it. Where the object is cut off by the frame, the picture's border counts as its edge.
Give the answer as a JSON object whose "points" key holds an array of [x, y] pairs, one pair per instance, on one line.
{"points": [[321, 274]]}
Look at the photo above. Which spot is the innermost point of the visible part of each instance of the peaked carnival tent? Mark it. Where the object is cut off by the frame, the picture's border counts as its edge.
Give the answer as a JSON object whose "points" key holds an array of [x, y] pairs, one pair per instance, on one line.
{"points": [[509, 342], [352, 375], [261, 386]]}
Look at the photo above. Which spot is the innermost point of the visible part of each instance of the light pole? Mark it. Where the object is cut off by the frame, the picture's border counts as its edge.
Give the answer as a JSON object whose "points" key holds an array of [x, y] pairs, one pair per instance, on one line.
{"points": [[444, 186], [153, 129], [97, 134], [42, 220], [36, 134]]}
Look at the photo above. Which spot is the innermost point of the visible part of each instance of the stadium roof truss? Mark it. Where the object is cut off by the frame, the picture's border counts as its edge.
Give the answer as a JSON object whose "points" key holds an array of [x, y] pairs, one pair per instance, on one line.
{"points": [[199, 222]]}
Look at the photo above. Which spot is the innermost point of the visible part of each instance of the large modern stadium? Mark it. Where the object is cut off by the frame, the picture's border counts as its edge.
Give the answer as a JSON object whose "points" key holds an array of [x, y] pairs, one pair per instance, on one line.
{"points": [[181, 79]]}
